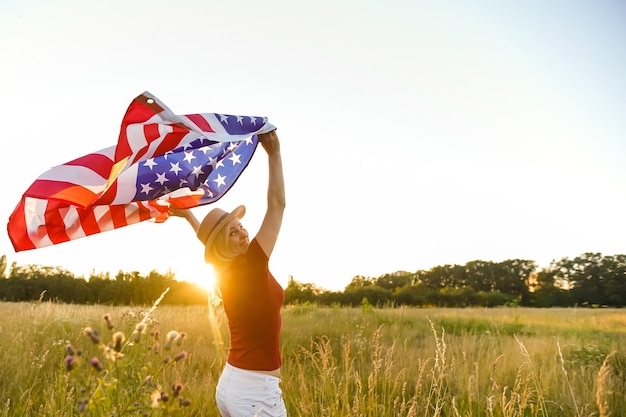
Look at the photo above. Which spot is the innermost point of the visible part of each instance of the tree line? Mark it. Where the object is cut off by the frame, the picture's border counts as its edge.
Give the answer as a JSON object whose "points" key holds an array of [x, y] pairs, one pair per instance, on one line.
{"points": [[590, 279], [44, 283]]}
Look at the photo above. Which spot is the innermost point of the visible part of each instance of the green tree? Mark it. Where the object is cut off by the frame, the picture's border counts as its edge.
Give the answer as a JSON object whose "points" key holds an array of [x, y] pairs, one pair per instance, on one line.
{"points": [[374, 295], [395, 280], [411, 295], [360, 281], [615, 280], [585, 275], [297, 292], [453, 276], [3, 265]]}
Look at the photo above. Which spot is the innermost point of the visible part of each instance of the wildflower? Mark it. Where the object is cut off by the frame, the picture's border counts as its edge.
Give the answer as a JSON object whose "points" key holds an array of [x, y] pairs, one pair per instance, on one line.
{"points": [[112, 354], [156, 334], [70, 349], [171, 336], [93, 335], [118, 341], [177, 388], [70, 362], [140, 328], [184, 402], [164, 397], [107, 318], [166, 359], [179, 339], [182, 355], [96, 364]]}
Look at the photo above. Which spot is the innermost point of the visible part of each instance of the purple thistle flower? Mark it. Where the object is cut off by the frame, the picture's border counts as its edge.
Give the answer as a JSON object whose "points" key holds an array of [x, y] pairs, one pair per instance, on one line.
{"points": [[70, 362], [177, 388], [96, 364], [182, 355], [184, 402], [164, 397]]}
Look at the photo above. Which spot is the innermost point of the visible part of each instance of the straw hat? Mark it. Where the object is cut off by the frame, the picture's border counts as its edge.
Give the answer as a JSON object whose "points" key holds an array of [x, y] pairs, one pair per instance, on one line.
{"points": [[214, 222]]}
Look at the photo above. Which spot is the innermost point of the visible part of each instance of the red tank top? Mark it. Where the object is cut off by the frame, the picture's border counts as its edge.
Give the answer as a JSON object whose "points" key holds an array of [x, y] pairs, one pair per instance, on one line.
{"points": [[252, 300]]}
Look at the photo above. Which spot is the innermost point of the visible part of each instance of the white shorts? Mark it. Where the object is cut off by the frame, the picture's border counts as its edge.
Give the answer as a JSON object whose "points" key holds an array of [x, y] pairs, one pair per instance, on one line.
{"points": [[243, 393]]}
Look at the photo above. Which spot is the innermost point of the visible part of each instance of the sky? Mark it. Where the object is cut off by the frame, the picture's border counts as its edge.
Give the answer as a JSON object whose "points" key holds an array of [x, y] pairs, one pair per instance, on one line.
{"points": [[413, 133]]}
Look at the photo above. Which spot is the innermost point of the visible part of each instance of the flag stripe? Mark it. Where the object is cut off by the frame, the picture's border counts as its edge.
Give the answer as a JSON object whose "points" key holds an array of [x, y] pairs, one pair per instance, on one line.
{"points": [[99, 162], [201, 122], [56, 229]]}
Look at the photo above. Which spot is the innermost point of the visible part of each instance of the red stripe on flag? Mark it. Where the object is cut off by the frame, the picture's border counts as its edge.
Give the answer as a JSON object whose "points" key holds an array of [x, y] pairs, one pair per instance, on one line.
{"points": [[55, 226], [201, 122], [171, 140], [88, 221], [60, 190], [150, 133], [74, 195], [139, 111], [16, 229], [118, 215], [108, 196], [98, 163], [187, 201], [159, 207]]}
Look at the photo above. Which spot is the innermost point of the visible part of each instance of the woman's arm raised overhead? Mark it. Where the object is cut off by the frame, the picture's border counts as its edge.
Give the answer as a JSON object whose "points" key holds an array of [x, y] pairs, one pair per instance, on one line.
{"points": [[268, 233]]}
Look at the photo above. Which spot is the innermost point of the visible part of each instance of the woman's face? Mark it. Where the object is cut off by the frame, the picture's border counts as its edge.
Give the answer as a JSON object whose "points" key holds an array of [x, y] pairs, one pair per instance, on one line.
{"points": [[238, 237]]}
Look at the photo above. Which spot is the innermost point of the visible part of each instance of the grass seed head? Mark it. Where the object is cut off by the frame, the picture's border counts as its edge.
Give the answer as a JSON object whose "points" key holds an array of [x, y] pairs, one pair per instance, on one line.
{"points": [[107, 318], [171, 337], [92, 334], [118, 341]]}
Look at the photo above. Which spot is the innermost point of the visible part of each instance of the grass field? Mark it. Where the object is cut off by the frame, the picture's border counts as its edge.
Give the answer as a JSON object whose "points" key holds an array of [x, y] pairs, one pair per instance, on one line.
{"points": [[337, 361]]}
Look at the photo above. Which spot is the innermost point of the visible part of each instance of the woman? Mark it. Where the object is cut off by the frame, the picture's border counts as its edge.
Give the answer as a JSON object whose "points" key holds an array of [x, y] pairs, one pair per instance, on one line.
{"points": [[249, 384]]}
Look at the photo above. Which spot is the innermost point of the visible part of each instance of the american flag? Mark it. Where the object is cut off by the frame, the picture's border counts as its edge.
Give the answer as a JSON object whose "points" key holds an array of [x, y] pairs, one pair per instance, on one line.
{"points": [[160, 159]]}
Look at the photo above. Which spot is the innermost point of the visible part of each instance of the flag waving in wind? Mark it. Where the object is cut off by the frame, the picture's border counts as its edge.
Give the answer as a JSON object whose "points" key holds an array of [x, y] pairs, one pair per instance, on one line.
{"points": [[160, 159]]}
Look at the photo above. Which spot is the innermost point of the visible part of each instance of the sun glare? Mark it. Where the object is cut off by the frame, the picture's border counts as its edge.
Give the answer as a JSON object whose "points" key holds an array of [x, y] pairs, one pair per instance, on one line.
{"points": [[202, 276]]}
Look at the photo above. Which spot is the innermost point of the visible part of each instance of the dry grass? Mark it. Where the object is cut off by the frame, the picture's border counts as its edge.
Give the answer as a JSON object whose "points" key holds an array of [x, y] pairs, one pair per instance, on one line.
{"points": [[337, 361]]}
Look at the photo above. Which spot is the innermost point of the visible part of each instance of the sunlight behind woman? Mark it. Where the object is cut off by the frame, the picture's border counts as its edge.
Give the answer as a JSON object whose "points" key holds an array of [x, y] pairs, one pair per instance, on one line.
{"points": [[201, 275]]}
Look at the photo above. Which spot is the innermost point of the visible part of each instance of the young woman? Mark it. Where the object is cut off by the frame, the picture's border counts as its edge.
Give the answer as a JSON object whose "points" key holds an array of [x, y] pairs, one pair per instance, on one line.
{"points": [[249, 384]]}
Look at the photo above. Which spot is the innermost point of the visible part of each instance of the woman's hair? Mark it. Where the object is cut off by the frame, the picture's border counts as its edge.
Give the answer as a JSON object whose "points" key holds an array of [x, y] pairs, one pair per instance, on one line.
{"points": [[220, 251]]}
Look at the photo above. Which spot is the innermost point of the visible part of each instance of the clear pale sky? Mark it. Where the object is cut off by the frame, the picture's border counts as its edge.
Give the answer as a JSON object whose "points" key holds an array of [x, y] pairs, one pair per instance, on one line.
{"points": [[414, 133]]}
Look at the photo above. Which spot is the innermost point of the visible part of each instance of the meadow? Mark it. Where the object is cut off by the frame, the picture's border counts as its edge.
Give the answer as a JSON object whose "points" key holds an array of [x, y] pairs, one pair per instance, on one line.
{"points": [[65, 360]]}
